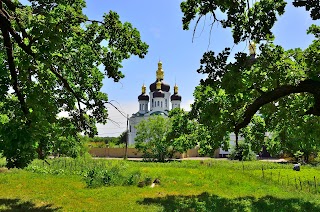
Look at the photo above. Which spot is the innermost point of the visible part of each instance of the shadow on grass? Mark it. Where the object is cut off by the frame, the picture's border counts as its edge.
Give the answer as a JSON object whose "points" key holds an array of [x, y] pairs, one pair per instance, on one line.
{"points": [[7, 205], [209, 202]]}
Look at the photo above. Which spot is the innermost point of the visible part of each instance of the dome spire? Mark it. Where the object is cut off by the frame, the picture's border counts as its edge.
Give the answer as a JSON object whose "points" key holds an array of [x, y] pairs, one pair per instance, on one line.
{"points": [[143, 89], [160, 72], [176, 89]]}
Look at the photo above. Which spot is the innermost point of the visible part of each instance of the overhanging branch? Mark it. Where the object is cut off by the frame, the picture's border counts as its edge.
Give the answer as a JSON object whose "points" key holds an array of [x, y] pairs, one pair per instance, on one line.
{"points": [[307, 86]]}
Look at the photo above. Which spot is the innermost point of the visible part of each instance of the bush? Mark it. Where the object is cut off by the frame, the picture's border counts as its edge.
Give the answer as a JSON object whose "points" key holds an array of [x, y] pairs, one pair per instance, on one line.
{"points": [[110, 177], [133, 178], [243, 152], [152, 139]]}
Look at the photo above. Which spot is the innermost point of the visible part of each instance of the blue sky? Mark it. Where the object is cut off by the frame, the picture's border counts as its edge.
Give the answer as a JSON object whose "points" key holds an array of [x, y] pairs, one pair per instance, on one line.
{"points": [[160, 26]]}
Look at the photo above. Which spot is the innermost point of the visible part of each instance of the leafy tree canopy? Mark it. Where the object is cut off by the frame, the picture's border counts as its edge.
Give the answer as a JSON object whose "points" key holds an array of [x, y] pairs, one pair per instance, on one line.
{"points": [[160, 137], [49, 57], [280, 84], [152, 138]]}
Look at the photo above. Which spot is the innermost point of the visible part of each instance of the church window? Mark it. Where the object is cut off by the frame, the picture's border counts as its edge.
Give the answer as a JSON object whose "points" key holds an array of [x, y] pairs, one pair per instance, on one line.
{"points": [[152, 102], [158, 103], [161, 103], [142, 106], [166, 103], [130, 128]]}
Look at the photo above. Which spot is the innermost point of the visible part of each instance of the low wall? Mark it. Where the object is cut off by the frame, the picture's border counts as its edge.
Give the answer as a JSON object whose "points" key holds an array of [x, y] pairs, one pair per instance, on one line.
{"points": [[133, 153], [114, 152]]}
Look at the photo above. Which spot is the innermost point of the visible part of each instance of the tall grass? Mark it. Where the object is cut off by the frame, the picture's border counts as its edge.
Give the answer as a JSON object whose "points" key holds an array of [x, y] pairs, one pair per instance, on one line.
{"points": [[95, 173], [211, 185]]}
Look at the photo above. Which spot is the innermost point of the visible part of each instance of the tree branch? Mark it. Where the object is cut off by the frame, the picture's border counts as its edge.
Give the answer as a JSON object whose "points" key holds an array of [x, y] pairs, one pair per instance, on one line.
{"points": [[12, 68], [6, 24], [11, 5], [308, 86]]}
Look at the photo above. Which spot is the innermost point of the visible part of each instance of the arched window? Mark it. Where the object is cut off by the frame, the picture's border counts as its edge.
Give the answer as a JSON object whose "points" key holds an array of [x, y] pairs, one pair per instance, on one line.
{"points": [[161, 103], [152, 102], [166, 103], [158, 103], [142, 106]]}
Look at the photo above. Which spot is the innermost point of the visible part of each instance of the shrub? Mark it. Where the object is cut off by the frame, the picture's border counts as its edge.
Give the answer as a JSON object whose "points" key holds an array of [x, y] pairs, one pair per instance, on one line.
{"points": [[243, 152], [114, 176], [148, 181], [133, 178]]}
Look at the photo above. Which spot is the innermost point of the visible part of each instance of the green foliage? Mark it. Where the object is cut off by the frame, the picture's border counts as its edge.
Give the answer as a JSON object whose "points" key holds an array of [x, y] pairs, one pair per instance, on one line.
{"points": [[152, 138], [184, 133], [49, 57], [243, 152], [299, 137], [106, 140], [159, 138], [99, 142], [279, 84], [246, 21], [70, 147], [122, 139], [254, 134], [109, 177]]}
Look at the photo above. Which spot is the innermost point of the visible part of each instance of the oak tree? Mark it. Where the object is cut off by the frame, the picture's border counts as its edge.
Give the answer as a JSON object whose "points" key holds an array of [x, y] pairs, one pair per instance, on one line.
{"points": [[279, 84], [50, 54]]}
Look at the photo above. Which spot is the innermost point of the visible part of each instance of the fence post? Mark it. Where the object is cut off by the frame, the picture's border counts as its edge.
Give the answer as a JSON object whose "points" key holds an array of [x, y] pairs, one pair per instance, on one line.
{"points": [[295, 180], [278, 177], [262, 172], [315, 183]]}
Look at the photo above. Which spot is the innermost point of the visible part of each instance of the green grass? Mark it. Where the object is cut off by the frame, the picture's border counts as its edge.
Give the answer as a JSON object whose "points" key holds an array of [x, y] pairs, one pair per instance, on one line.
{"points": [[185, 186]]}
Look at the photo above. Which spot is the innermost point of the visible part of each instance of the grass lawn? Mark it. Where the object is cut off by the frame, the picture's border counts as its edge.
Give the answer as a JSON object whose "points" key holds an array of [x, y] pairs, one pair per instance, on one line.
{"points": [[185, 186]]}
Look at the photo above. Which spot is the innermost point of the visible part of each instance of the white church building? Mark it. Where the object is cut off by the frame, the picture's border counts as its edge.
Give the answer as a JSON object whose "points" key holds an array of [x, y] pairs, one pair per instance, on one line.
{"points": [[156, 103]]}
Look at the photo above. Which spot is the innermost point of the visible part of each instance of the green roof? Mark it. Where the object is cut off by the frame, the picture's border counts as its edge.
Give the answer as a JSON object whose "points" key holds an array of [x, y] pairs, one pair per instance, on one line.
{"points": [[158, 113]]}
